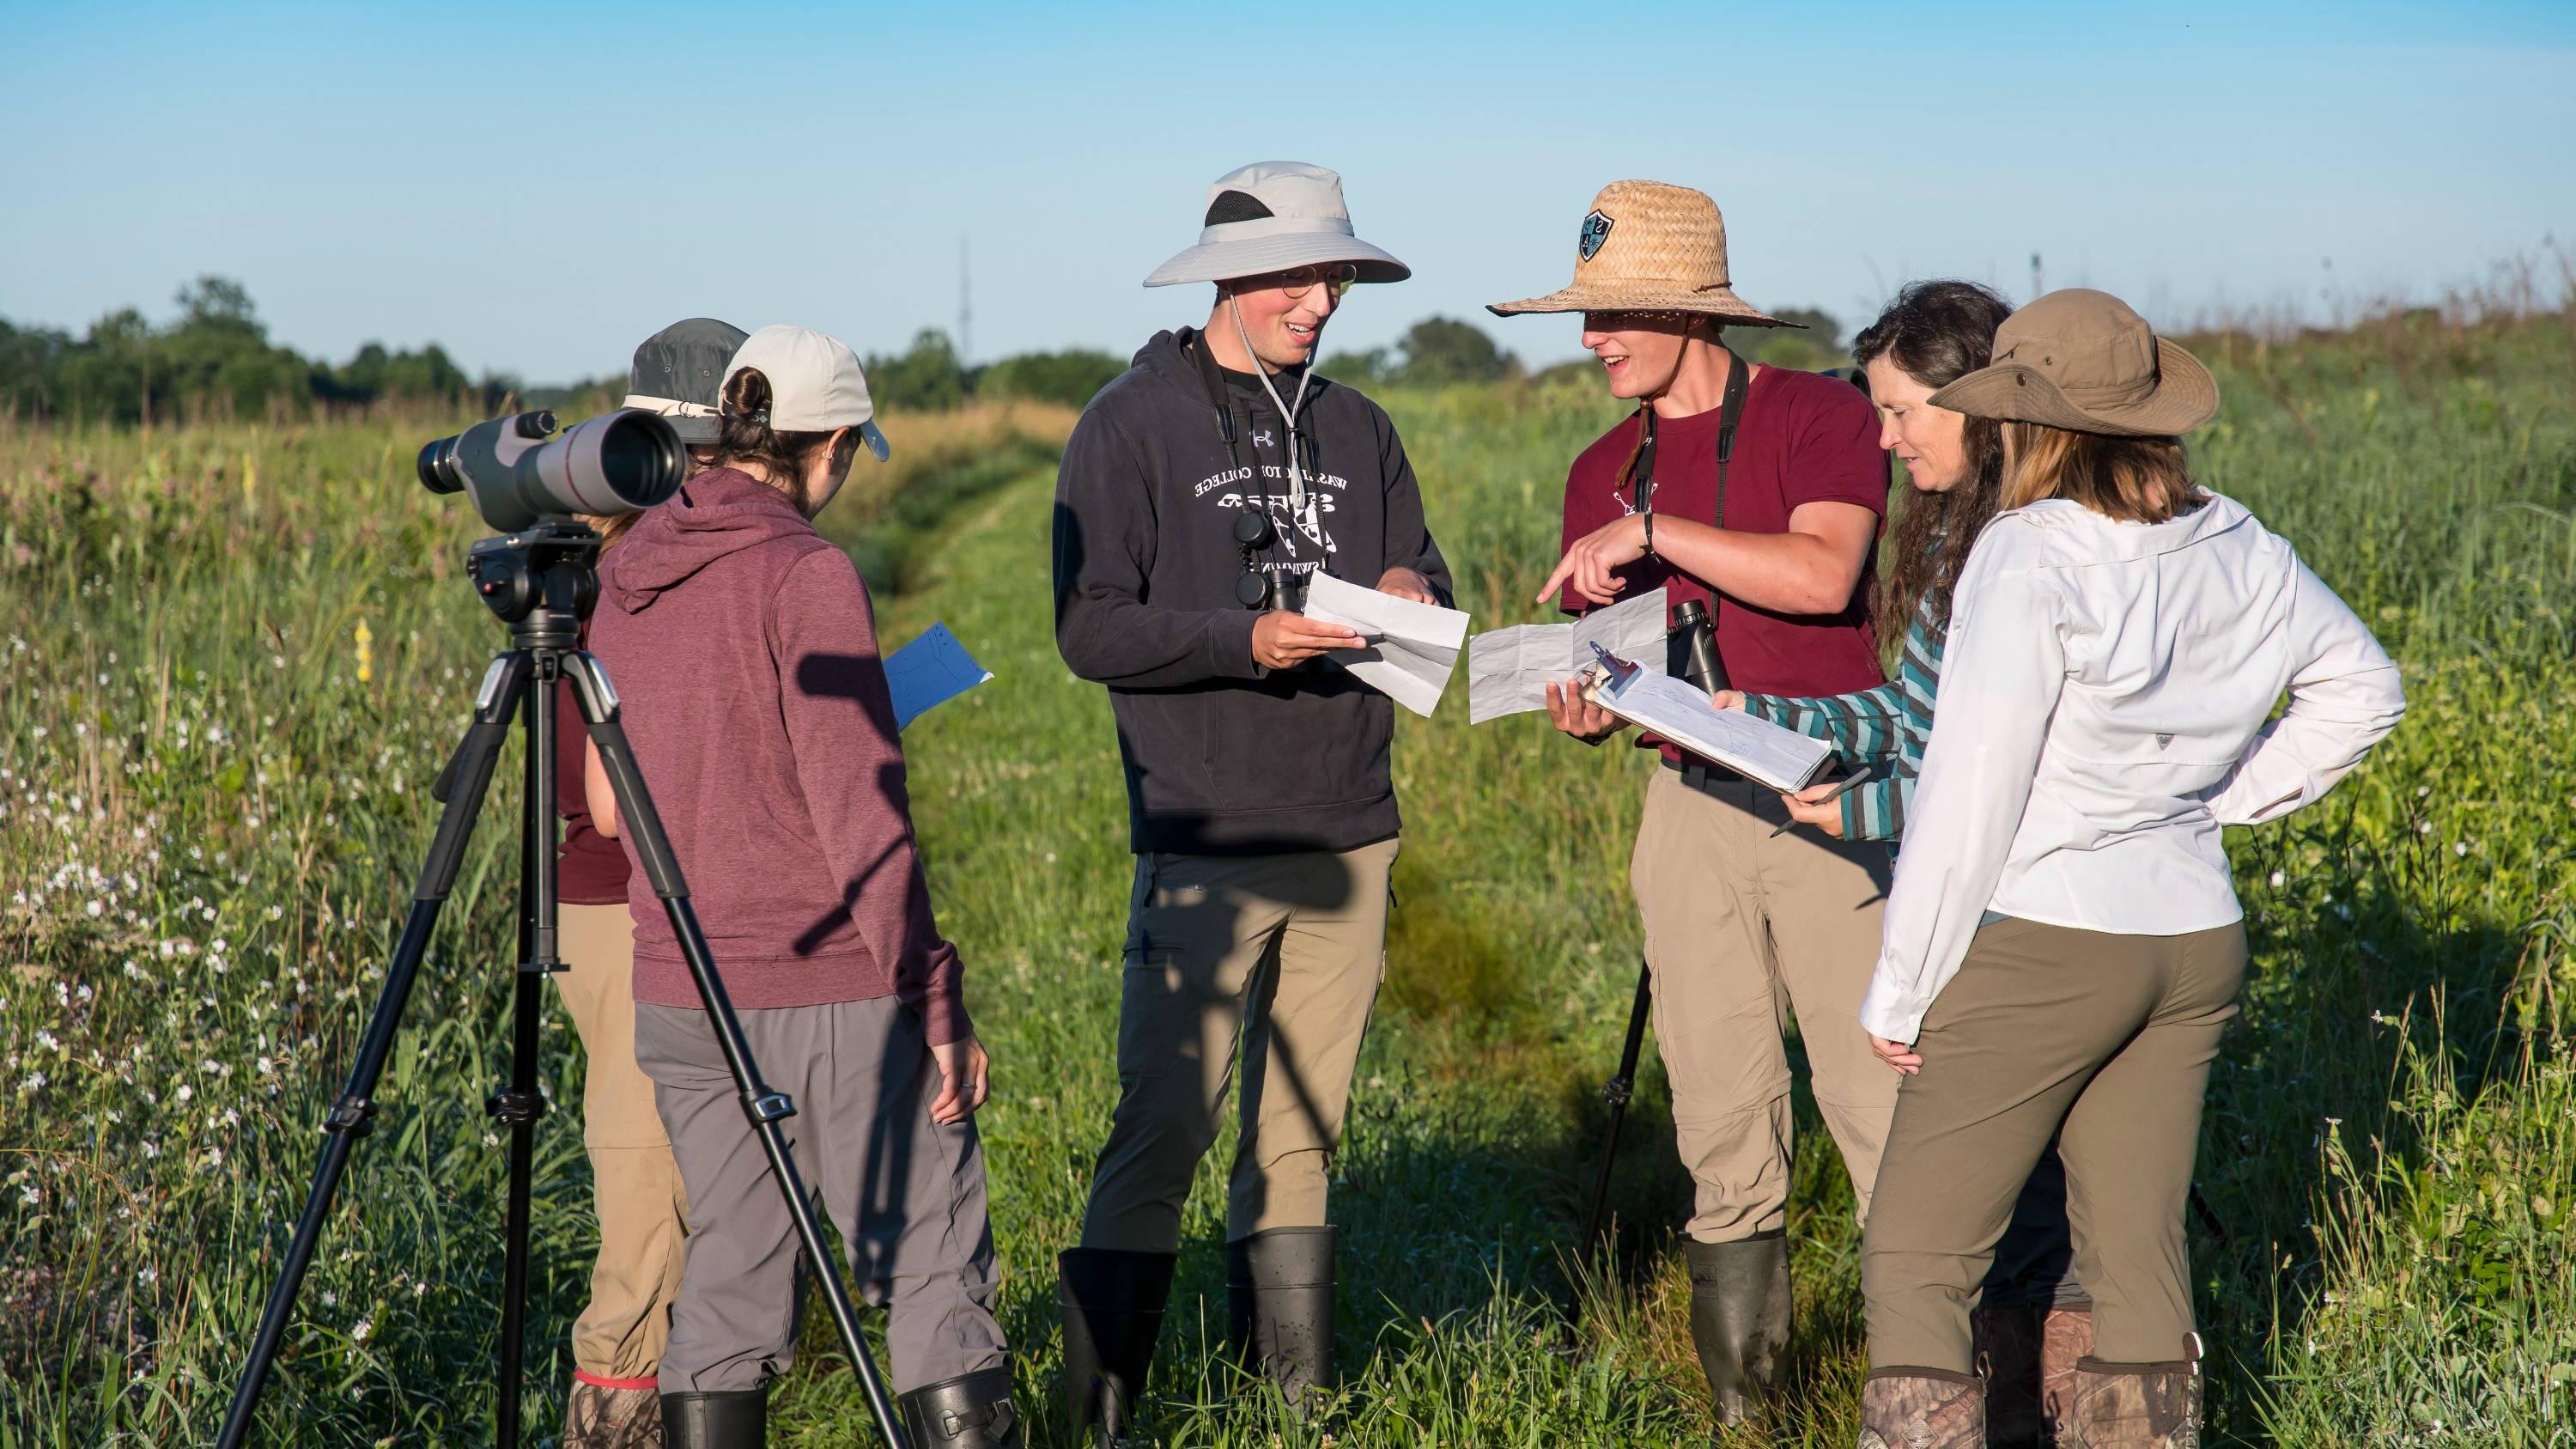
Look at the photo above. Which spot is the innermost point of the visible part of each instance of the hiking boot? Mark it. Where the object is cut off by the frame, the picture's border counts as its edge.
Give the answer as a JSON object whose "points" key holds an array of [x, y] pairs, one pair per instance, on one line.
{"points": [[2065, 1338], [733, 1419], [971, 1411], [2135, 1405], [2006, 1339], [597, 1416], [1113, 1310], [1739, 1318], [1279, 1309], [1921, 1408]]}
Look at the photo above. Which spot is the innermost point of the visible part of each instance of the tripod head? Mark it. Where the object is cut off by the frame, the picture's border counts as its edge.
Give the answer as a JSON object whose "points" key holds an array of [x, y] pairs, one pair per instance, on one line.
{"points": [[542, 581]]}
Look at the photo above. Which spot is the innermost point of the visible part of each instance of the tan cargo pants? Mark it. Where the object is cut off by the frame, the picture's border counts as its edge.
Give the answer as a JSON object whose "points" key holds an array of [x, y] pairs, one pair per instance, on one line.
{"points": [[635, 1185], [1277, 958], [1743, 930], [2103, 1040]]}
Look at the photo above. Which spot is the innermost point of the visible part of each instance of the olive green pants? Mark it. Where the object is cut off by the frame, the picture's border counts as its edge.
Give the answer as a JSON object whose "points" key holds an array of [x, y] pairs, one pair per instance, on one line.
{"points": [[1277, 959], [2105, 1041], [635, 1184]]}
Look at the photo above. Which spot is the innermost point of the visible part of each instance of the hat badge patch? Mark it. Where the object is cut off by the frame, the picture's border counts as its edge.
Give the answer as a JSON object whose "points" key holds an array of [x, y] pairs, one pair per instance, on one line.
{"points": [[1596, 230]]}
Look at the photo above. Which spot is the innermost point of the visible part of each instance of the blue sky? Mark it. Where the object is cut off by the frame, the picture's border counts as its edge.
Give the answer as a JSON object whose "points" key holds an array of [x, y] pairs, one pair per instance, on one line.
{"points": [[537, 187]]}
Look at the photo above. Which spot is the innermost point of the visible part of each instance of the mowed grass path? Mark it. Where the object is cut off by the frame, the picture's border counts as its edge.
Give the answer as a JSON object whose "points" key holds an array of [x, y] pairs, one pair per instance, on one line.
{"points": [[214, 798]]}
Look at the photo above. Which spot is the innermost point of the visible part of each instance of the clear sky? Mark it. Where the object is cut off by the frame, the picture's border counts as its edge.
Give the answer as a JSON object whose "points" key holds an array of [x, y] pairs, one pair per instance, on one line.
{"points": [[538, 186]]}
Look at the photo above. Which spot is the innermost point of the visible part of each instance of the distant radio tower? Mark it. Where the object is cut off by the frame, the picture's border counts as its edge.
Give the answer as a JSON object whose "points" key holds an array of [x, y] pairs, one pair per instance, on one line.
{"points": [[2035, 287], [965, 307]]}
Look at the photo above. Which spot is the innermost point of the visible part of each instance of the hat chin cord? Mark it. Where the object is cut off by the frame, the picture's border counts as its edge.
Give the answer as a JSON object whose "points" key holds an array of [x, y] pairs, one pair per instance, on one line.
{"points": [[1287, 411]]}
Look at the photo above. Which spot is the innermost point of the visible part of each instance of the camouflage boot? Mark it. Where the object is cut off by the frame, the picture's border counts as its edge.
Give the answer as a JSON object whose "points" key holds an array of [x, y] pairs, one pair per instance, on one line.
{"points": [[1921, 1408], [2007, 1338], [2065, 1339], [600, 1417], [2136, 1406]]}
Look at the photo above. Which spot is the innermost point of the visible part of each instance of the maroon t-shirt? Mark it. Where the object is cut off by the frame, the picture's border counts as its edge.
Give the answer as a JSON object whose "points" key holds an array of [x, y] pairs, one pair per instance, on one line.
{"points": [[590, 868], [1804, 438]]}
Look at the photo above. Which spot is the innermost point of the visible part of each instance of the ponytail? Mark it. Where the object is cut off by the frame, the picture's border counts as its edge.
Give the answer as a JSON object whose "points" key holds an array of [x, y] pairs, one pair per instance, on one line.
{"points": [[743, 435]]}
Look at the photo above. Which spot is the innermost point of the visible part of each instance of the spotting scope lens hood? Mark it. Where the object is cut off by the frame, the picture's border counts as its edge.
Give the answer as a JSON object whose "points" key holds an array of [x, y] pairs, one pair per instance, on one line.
{"points": [[618, 462]]}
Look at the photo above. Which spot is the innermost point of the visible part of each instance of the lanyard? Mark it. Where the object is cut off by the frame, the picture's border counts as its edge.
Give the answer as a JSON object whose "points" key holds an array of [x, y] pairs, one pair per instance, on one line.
{"points": [[1730, 411]]}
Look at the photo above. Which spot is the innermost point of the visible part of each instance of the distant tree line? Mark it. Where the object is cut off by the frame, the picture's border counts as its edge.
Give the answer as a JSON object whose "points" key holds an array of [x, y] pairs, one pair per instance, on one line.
{"points": [[215, 359]]}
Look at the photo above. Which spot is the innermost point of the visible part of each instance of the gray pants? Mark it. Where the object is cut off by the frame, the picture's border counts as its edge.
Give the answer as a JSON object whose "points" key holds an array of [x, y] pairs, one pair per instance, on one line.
{"points": [[2102, 1041], [906, 1193]]}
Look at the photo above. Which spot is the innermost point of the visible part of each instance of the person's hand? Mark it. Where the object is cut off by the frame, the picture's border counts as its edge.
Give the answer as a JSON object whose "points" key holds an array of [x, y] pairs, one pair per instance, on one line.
{"points": [[1407, 584], [1807, 808], [1283, 640], [1726, 699], [965, 1080], [1578, 716], [1587, 565], [1901, 1056]]}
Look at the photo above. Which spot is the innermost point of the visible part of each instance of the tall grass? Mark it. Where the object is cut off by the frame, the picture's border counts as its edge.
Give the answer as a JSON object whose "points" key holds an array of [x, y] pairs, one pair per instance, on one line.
{"points": [[235, 656]]}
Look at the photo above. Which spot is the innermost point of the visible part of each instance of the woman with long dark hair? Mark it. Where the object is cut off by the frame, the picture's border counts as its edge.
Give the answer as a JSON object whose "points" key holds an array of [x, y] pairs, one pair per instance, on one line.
{"points": [[2034, 1321]]}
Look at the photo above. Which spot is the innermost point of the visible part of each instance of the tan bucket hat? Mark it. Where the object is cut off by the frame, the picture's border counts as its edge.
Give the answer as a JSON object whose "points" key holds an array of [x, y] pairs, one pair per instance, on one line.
{"points": [[1649, 247], [2085, 361]]}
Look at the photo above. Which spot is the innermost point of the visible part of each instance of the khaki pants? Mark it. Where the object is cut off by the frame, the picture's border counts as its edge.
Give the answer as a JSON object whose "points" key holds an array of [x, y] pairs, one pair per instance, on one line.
{"points": [[2101, 1039], [906, 1192], [1743, 929], [635, 1186], [1275, 956]]}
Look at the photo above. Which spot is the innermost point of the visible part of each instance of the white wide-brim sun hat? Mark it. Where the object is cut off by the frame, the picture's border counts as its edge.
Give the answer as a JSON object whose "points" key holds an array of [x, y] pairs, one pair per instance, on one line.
{"points": [[1271, 216]]}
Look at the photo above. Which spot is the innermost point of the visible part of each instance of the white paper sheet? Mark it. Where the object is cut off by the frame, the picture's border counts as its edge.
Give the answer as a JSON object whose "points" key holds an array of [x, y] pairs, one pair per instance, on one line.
{"points": [[1509, 670], [1411, 647], [1678, 710], [929, 671]]}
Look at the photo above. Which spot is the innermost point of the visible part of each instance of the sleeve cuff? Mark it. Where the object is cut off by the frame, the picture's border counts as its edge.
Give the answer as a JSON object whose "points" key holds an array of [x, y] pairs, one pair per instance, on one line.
{"points": [[1890, 1012], [1233, 642]]}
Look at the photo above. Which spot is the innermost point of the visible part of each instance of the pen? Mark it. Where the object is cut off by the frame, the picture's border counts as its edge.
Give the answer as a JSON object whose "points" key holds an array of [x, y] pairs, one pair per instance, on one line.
{"points": [[1841, 785]]}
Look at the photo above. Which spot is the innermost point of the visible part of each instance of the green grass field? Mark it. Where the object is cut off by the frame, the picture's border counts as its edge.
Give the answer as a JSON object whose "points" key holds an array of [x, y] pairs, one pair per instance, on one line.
{"points": [[234, 659]]}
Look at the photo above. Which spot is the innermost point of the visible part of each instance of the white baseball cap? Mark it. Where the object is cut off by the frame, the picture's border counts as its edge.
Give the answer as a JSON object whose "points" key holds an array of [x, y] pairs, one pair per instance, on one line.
{"points": [[815, 384]]}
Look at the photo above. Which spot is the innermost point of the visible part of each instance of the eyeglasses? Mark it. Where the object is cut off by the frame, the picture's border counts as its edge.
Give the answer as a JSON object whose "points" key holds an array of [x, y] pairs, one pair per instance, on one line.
{"points": [[1298, 281]]}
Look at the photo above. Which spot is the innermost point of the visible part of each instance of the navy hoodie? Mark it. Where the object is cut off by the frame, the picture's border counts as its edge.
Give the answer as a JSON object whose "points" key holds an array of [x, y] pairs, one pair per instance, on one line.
{"points": [[1221, 756]]}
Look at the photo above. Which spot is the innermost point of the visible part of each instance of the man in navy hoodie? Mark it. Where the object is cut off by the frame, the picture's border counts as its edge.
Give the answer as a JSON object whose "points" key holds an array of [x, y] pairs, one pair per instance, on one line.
{"points": [[1199, 492]]}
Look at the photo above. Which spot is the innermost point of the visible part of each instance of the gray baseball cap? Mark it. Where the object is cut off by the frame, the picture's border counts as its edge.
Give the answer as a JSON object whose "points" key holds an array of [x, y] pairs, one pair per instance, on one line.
{"points": [[1271, 216], [679, 373]]}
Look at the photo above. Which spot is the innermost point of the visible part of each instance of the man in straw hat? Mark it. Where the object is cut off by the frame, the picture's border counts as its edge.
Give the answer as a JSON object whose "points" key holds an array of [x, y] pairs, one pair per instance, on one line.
{"points": [[1199, 492], [1754, 493]]}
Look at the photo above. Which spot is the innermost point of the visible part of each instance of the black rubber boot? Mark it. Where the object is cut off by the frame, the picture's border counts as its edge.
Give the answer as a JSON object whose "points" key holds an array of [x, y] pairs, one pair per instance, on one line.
{"points": [[1113, 1310], [1739, 1317], [1279, 1301], [972, 1411], [735, 1419]]}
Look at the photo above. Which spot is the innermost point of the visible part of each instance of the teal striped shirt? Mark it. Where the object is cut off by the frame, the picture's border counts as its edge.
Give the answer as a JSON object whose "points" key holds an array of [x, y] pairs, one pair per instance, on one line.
{"points": [[1883, 729]]}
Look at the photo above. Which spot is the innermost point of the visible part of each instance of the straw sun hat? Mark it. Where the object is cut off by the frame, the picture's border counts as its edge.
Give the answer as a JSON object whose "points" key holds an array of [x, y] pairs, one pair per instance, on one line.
{"points": [[2084, 361], [1649, 247]]}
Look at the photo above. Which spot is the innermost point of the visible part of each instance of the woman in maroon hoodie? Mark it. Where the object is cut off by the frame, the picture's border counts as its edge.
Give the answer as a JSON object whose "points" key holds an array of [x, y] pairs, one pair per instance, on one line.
{"points": [[744, 649]]}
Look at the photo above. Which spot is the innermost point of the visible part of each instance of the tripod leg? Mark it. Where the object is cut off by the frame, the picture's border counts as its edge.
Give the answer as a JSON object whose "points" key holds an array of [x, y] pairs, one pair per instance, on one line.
{"points": [[764, 1107], [1616, 1092], [517, 1107], [353, 1112]]}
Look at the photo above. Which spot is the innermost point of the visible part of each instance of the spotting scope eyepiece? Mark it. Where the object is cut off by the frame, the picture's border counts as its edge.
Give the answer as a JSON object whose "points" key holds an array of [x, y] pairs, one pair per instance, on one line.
{"points": [[615, 463]]}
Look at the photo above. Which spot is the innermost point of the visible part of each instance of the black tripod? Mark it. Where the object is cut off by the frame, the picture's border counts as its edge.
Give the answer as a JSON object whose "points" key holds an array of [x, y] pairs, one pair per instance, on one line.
{"points": [[542, 582]]}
